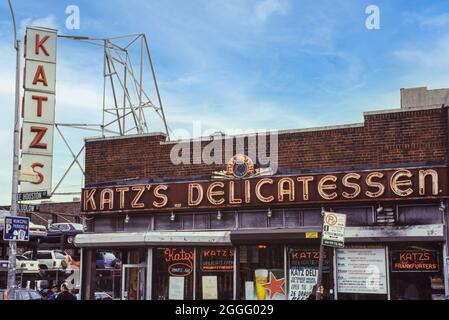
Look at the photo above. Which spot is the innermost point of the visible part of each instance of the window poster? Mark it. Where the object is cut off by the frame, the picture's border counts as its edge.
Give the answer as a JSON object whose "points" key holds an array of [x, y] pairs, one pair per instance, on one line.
{"points": [[269, 284], [362, 270], [176, 288], [210, 288], [303, 272]]}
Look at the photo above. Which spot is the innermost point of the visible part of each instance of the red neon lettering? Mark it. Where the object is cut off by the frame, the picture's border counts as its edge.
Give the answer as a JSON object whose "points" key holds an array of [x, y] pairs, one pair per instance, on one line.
{"points": [[40, 76], [40, 133], [40, 45]]}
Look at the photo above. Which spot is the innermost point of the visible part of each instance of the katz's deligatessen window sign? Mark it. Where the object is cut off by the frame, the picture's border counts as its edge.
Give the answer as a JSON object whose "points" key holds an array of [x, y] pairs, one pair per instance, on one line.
{"points": [[282, 190]]}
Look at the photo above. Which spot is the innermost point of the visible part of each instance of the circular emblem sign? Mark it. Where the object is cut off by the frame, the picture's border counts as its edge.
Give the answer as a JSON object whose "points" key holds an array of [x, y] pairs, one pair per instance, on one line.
{"points": [[331, 219], [240, 166]]}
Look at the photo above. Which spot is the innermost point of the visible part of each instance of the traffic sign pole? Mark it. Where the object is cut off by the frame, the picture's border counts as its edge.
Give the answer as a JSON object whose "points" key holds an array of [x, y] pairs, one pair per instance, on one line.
{"points": [[320, 273], [15, 169]]}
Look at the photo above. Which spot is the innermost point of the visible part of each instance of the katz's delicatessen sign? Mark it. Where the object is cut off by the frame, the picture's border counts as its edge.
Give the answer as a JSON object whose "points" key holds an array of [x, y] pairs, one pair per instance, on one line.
{"points": [[38, 110], [411, 183]]}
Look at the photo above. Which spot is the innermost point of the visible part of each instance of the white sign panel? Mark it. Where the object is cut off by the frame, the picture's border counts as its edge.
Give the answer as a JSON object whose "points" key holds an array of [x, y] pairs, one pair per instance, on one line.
{"points": [[35, 173], [301, 283], [41, 44], [334, 225], [40, 76], [176, 288], [38, 110], [362, 271], [39, 107]]}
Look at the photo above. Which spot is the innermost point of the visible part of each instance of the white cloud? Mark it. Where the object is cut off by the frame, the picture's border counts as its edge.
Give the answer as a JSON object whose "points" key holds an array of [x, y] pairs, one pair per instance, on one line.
{"points": [[439, 21], [48, 22], [266, 8]]}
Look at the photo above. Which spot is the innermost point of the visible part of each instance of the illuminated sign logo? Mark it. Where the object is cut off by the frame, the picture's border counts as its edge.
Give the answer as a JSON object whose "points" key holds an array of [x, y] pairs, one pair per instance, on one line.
{"points": [[241, 166]]}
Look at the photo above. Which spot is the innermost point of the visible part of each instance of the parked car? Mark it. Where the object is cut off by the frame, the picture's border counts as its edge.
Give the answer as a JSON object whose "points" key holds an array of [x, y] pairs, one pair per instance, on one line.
{"points": [[20, 294], [36, 230], [70, 230], [26, 265], [107, 260], [49, 259]]}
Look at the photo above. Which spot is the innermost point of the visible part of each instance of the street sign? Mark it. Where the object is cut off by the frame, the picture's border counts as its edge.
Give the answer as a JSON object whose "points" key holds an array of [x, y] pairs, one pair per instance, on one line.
{"points": [[30, 196], [27, 207], [16, 229], [334, 230]]}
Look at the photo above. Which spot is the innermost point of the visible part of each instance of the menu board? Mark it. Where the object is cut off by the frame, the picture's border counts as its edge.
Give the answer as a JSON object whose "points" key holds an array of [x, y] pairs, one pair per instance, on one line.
{"points": [[217, 259], [362, 270], [415, 261]]}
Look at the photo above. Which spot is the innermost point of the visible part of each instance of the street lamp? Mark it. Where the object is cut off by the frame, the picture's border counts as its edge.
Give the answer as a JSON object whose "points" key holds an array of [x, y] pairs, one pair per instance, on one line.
{"points": [[15, 168]]}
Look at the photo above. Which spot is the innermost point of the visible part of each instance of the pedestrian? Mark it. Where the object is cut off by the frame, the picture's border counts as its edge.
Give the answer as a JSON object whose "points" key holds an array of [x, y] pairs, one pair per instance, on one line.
{"points": [[65, 293], [312, 296], [54, 292]]}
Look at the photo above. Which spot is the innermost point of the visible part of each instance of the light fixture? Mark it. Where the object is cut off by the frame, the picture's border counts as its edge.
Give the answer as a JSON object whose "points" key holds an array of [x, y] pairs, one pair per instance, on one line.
{"points": [[269, 213], [172, 216], [379, 209], [219, 215], [126, 219], [442, 207]]}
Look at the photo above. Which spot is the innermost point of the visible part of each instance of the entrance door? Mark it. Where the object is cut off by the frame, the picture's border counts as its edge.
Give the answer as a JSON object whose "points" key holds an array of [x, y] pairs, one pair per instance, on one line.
{"points": [[133, 281]]}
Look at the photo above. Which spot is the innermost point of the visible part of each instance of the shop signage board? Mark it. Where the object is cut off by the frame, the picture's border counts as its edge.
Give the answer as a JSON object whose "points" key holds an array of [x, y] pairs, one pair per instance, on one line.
{"points": [[334, 225], [415, 261], [361, 270], [381, 185], [16, 229], [38, 110]]}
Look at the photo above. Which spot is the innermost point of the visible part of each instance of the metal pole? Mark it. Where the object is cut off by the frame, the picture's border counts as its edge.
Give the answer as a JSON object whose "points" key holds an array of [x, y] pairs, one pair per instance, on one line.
{"points": [[320, 265], [320, 273], [15, 173]]}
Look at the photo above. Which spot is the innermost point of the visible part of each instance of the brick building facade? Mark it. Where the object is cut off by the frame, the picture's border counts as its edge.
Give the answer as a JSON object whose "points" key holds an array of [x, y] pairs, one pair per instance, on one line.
{"points": [[388, 175]]}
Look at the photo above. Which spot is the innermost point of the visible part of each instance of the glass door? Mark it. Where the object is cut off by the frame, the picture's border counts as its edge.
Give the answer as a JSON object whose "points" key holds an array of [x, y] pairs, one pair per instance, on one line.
{"points": [[134, 281]]}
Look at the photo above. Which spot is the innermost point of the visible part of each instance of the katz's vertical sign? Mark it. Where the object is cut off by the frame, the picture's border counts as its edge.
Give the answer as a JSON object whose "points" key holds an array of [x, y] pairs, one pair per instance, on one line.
{"points": [[38, 110]]}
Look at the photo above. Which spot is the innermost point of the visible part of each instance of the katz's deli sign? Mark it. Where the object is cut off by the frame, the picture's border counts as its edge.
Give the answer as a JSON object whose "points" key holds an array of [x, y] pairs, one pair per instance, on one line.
{"points": [[283, 190]]}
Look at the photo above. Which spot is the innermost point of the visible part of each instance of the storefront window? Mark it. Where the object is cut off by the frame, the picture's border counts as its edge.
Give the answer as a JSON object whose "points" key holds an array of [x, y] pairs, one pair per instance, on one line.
{"points": [[173, 274], [215, 268], [416, 272], [303, 266], [262, 272], [108, 274]]}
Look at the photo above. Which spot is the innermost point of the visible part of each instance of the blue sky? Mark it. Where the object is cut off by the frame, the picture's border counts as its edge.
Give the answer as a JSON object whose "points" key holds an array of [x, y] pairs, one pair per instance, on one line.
{"points": [[273, 64]]}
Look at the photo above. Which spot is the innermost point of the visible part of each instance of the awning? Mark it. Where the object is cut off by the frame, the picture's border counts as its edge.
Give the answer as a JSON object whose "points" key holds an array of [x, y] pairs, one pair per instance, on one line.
{"points": [[431, 232], [152, 238], [262, 236]]}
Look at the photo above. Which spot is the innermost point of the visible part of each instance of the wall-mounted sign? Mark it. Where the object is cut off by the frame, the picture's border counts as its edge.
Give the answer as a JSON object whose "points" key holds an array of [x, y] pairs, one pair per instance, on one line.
{"points": [[16, 229], [241, 166], [221, 259], [415, 261], [334, 225], [361, 271], [400, 184], [38, 110]]}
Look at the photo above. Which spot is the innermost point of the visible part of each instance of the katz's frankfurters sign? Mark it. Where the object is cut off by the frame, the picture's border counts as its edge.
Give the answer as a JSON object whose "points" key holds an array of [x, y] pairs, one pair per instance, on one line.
{"points": [[38, 110], [416, 183]]}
